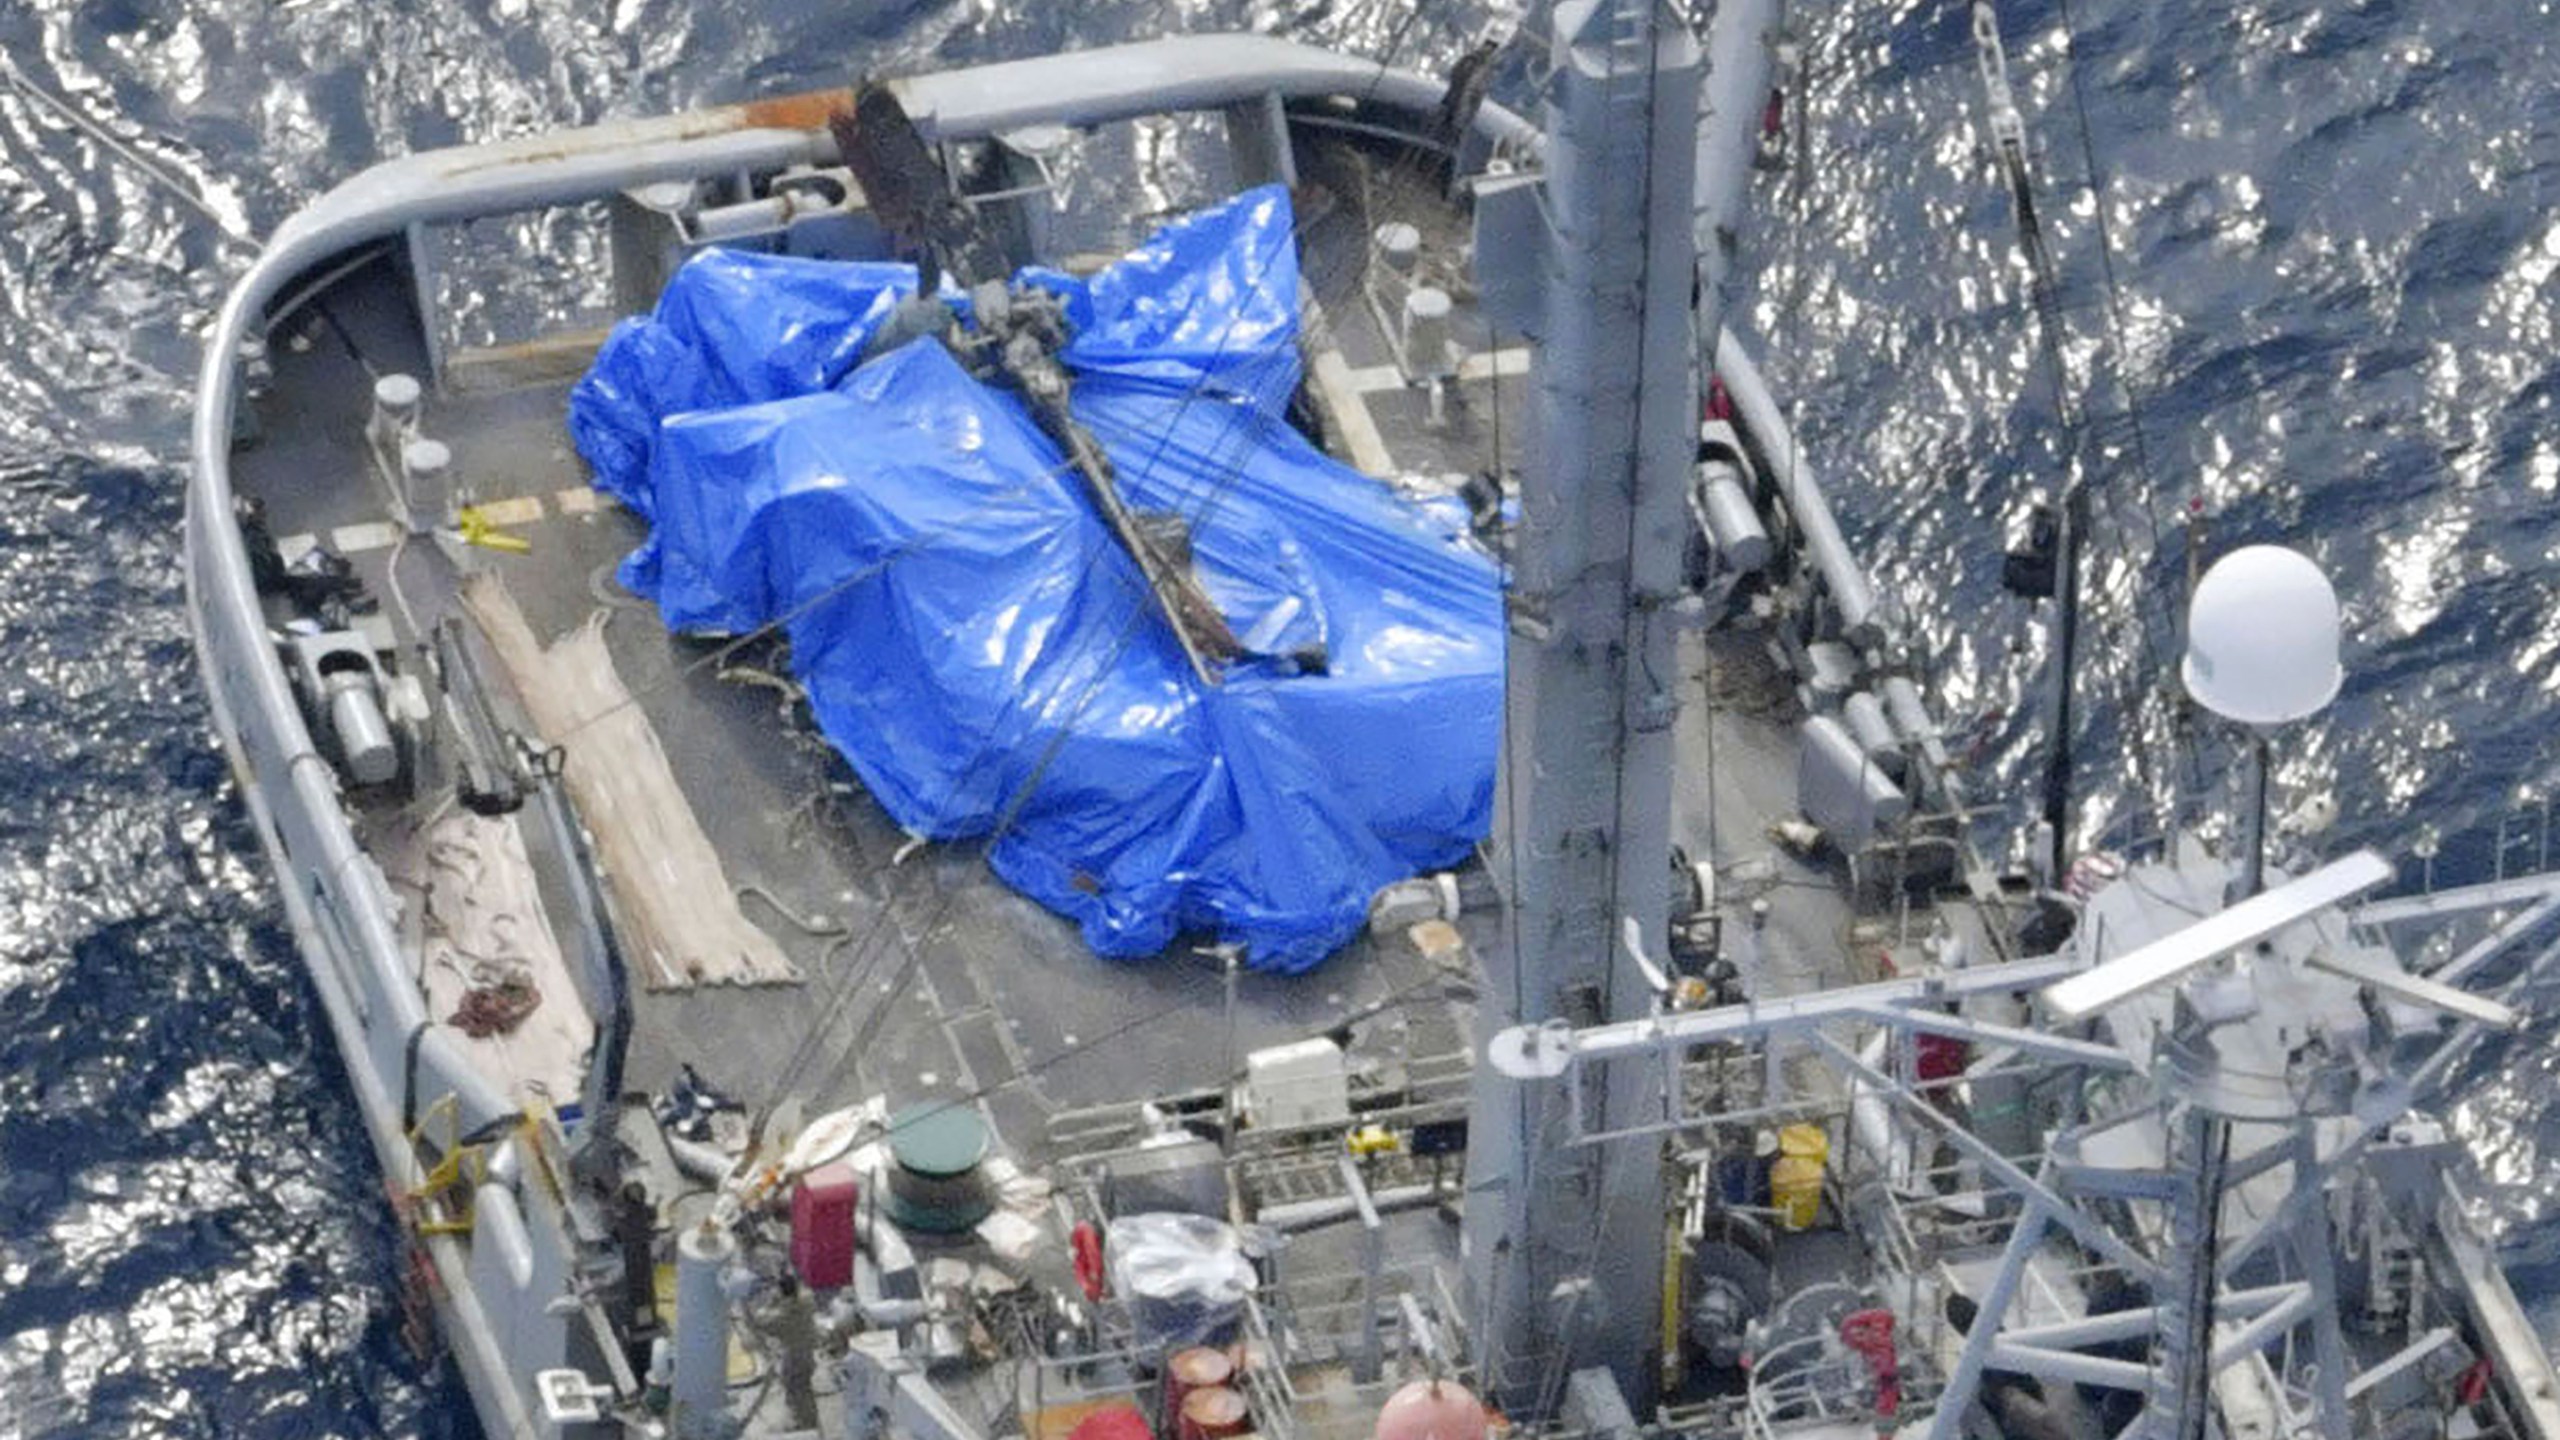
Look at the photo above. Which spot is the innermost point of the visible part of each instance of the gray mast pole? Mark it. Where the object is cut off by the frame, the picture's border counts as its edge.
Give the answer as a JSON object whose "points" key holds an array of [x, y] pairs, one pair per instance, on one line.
{"points": [[2179, 1401], [1565, 1242]]}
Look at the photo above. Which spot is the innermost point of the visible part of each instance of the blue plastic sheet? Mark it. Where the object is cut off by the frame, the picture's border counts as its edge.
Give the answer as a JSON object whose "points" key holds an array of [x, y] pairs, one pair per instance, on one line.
{"points": [[1209, 302], [982, 651], [732, 328]]}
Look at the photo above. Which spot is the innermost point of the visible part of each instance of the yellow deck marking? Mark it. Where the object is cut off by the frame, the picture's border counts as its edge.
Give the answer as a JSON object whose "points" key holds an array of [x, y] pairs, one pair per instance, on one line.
{"points": [[1475, 369], [1342, 403], [371, 535], [514, 510]]}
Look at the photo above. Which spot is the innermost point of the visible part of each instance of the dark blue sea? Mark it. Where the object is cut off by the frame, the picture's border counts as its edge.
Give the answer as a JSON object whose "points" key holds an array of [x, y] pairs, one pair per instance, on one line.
{"points": [[2335, 231]]}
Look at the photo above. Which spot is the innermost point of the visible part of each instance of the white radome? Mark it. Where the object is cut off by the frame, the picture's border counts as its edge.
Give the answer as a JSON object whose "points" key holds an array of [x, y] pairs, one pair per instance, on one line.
{"points": [[2262, 637]]}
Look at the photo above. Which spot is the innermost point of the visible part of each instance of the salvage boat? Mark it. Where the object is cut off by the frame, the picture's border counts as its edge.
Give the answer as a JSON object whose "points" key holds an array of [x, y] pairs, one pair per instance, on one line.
{"points": [[938, 786]]}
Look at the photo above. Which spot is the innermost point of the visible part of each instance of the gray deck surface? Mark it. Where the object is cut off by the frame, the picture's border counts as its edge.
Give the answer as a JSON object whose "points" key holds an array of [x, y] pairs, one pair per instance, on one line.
{"points": [[960, 986]]}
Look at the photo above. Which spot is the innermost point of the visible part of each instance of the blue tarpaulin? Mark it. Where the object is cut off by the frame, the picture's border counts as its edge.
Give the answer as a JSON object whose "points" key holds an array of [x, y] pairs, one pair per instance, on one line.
{"points": [[981, 649]]}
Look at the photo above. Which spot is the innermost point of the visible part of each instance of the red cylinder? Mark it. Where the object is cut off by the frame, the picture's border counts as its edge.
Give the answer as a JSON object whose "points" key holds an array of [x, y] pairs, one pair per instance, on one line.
{"points": [[1086, 1241], [1940, 1058], [822, 1206]]}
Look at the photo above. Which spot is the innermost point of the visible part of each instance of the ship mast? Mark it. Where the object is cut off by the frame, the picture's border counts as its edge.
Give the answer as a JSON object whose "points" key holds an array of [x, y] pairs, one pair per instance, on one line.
{"points": [[1565, 1242]]}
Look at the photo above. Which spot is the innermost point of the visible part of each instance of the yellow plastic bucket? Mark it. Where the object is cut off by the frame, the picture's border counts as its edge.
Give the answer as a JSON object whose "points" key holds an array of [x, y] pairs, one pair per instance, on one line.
{"points": [[1795, 1181]]}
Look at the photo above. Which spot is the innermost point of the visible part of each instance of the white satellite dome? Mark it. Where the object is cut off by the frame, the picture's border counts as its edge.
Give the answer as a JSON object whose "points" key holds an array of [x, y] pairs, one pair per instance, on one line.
{"points": [[2262, 637]]}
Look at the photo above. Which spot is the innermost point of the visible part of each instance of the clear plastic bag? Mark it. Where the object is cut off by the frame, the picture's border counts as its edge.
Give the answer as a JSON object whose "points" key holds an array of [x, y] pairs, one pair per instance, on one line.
{"points": [[1185, 1277]]}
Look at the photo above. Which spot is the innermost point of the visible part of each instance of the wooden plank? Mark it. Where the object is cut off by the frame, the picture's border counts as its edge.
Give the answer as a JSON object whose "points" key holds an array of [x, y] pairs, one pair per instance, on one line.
{"points": [[686, 926], [545, 359], [1338, 396]]}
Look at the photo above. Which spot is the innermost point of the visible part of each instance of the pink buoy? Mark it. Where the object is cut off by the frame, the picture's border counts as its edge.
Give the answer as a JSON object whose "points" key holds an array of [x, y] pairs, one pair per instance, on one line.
{"points": [[1212, 1412], [1199, 1368], [1432, 1410]]}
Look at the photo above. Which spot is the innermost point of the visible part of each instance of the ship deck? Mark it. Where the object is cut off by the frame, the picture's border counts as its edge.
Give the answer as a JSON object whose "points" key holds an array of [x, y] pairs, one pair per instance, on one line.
{"points": [[959, 988]]}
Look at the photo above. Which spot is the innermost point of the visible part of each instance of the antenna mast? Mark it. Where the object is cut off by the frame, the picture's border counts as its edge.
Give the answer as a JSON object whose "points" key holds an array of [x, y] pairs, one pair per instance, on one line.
{"points": [[1565, 1242], [2009, 142]]}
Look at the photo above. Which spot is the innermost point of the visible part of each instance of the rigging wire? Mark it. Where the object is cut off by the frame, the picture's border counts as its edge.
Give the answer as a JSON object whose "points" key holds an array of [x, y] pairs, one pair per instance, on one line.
{"points": [[2086, 420], [2143, 474], [156, 172]]}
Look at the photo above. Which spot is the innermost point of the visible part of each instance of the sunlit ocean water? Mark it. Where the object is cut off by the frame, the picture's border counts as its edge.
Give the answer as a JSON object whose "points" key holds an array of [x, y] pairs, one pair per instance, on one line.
{"points": [[2336, 230]]}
